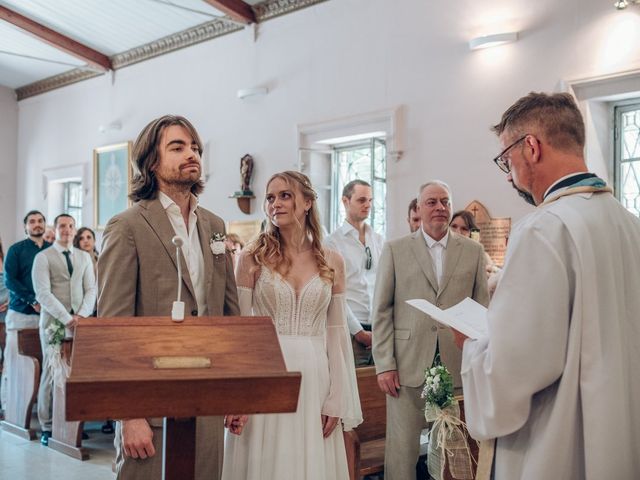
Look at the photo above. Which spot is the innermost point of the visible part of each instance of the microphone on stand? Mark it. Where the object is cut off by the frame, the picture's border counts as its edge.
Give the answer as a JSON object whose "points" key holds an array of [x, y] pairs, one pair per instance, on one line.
{"points": [[177, 311]]}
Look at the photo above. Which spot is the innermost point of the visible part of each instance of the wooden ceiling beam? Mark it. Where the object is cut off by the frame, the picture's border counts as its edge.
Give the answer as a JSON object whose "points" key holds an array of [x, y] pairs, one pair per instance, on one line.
{"points": [[92, 57], [236, 9]]}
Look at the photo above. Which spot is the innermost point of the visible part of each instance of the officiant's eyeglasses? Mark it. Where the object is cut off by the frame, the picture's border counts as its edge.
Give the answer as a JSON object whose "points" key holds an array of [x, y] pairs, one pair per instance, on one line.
{"points": [[369, 260], [502, 161]]}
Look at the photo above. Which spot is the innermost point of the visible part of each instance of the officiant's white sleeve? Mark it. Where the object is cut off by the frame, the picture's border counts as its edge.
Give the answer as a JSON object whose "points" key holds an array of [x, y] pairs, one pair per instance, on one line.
{"points": [[528, 331], [343, 400]]}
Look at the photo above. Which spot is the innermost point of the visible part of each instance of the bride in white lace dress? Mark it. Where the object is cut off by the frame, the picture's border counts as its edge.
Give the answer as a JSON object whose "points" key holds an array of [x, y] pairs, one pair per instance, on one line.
{"points": [[287, 275]]}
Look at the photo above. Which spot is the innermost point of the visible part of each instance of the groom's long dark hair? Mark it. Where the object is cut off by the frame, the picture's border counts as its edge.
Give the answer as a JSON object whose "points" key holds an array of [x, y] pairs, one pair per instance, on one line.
{"points": [[144, 184]]}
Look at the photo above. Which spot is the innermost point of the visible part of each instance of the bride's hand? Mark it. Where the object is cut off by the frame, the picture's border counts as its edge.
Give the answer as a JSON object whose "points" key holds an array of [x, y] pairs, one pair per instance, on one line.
{"points": [[235, 423], [328, 424]]}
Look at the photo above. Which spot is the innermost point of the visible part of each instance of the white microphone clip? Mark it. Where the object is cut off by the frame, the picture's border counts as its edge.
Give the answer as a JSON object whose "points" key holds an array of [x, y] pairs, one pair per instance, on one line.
{"points": [[177, 311]]}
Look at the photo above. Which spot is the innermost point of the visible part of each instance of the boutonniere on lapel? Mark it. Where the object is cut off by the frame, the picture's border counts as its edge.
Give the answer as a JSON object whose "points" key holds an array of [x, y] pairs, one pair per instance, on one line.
{"points": [[218, 247]]}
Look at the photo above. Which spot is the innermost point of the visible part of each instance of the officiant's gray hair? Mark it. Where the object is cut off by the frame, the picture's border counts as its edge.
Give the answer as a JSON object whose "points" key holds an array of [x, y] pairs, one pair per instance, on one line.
{"points": [[440, 183]]}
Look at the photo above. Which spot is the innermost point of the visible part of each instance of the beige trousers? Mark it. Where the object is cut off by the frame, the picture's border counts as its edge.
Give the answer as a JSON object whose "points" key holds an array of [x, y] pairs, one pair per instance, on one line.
{"points": [[209, 453], [405, 422], [45, 390]]}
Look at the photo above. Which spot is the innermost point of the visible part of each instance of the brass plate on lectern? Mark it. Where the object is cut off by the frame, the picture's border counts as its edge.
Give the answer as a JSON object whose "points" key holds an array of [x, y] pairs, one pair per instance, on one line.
{"points": [[181, 362]]}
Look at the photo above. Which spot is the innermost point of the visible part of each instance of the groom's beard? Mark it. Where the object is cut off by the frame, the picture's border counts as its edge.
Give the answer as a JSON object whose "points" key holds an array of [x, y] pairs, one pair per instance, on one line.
{"points": [[526, 196]]}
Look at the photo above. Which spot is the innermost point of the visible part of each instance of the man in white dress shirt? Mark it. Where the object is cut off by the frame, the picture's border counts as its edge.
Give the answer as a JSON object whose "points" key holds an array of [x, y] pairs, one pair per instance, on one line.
{"points": [[65, 287], [360, 247], [556, 380]]}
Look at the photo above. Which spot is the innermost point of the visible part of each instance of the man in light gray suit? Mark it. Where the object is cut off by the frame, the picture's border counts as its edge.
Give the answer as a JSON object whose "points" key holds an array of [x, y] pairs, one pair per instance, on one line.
{"points": [[65, 287], [443, 268], [137, 275]]}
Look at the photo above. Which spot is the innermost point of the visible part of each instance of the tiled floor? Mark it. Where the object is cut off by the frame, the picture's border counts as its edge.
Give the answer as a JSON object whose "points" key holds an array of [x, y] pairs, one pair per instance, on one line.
{"points": [[24, 460]]}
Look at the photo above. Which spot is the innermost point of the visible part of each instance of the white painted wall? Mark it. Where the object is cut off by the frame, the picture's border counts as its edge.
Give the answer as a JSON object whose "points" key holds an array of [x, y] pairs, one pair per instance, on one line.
{"points": [[8, 163], [337, 59]]}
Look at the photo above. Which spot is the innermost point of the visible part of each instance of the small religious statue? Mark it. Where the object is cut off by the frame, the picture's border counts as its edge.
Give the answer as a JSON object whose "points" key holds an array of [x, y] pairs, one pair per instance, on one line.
{"points": [[246, 169], [245, 194]]}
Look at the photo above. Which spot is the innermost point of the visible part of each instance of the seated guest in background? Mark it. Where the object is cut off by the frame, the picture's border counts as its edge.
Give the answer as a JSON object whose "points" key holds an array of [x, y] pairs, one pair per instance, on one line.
{"points": [[85, 240], [49, 234], [443, 269], [556, 378], [24, 309], [413, 217], [463, 223], [65, 287], [360, 247], [235, 245]]}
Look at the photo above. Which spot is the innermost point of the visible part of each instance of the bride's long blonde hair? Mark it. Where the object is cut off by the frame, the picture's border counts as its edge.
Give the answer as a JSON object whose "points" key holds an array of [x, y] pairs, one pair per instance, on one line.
{"points": [[267, 249]]}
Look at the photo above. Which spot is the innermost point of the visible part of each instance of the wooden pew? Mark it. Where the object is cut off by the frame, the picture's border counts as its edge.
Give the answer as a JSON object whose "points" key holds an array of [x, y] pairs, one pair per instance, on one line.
{"points": [[365, 444], [23, 380], [66, 436]]}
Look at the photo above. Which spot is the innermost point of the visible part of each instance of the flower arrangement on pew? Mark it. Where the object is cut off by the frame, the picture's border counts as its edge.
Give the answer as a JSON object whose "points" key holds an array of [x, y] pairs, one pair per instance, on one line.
{"points": [[56, 334], [447, 439]]}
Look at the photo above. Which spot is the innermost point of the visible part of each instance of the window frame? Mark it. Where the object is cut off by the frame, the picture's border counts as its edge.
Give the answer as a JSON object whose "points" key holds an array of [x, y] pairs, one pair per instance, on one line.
{"points": [[620, 108]]}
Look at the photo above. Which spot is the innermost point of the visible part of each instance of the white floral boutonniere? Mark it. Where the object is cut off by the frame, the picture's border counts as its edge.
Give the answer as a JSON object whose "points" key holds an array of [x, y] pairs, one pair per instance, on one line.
{"points": [[218, 247]]}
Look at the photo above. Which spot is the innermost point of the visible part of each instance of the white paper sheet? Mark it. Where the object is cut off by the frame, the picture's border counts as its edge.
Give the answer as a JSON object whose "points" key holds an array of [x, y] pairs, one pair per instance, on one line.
{"points": [[468, 316]]}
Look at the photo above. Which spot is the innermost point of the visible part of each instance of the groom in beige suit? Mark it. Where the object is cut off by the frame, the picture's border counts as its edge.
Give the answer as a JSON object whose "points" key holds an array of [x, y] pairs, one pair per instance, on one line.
{"points": [[137, 275], [443, 268]]}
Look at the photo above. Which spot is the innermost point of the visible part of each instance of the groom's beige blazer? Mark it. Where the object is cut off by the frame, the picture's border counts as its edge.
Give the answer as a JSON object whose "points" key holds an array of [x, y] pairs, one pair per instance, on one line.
{"points": [[404, 339], [137, 274]]}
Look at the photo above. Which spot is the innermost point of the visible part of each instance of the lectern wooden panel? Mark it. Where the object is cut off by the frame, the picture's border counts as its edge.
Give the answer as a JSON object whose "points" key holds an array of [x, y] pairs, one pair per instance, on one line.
{"points": [[140, 367]]}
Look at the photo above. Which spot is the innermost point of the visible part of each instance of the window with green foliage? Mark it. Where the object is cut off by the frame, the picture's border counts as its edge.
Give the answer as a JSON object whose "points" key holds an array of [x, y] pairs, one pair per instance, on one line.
{"points": [[364, 161], [72, 201]]}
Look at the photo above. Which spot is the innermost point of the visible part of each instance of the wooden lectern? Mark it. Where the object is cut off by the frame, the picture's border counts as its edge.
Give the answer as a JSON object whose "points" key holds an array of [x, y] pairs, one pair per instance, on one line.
{"points": [[142, 367]]}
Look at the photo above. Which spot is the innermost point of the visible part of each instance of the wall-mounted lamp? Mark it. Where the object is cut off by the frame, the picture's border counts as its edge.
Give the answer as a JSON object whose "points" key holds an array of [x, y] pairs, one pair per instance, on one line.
{"points": [[252, 92], [112, 127], [622, 4], [488, 41]]}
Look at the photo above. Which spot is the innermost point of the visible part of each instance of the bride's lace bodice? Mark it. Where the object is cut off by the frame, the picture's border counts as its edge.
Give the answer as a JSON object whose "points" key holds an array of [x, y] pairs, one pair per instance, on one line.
{"points": [[294, 313]]}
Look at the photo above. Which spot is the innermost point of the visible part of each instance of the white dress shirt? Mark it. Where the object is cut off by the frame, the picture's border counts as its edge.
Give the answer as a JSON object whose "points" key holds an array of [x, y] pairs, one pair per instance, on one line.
{"points": [[191, 248], [360, 282], [437, 250]]}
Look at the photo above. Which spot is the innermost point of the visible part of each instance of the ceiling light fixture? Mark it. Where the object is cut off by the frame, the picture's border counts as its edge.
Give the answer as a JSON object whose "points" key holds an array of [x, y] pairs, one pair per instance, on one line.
{"points": [[252, 92], [622, 4], [488, 41]]}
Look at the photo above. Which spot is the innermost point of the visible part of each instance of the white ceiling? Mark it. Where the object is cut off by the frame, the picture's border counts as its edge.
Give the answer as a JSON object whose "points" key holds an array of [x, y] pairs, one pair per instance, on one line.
{"points": [[109, 27]]}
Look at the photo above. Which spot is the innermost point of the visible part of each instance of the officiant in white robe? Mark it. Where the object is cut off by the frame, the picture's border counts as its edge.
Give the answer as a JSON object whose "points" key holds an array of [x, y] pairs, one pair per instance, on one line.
{"points": [[556, 380]]}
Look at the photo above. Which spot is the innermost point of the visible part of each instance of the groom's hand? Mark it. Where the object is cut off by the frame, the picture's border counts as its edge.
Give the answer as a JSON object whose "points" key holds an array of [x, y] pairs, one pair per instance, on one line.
{"points": [[137, 438], [389, 382], [235, 423]]}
